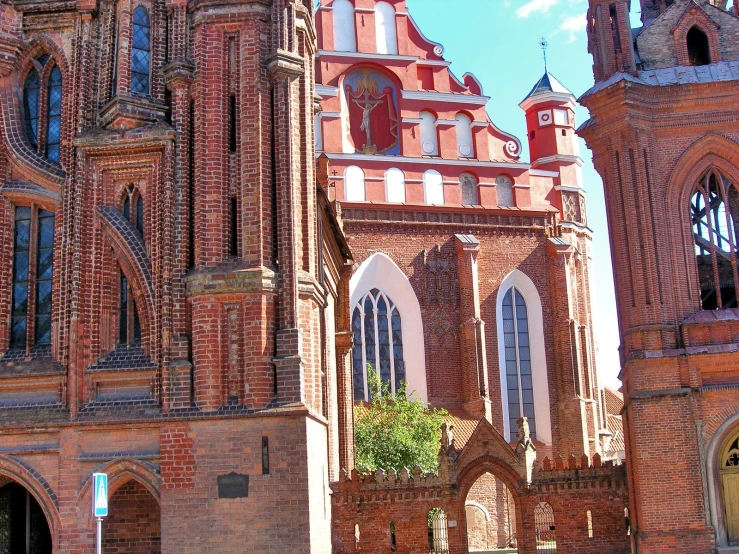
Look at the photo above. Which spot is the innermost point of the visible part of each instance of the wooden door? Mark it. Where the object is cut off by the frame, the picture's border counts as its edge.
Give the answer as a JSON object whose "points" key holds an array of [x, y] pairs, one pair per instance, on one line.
{"points": [[731, 505]]}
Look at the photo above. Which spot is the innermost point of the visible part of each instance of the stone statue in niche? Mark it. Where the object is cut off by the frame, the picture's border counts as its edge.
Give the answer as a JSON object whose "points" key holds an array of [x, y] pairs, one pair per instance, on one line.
{"points": [[447, 435], [373, 114]]}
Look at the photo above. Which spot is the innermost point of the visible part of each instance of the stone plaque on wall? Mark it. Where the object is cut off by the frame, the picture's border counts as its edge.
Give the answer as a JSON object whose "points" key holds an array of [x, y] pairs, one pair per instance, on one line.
{"points": [[233, 485]]}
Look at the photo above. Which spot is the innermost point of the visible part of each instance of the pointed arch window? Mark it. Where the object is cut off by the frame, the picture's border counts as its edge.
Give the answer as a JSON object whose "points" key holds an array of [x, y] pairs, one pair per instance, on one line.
{"points": [[129, 325], [133, 209], [141, 51], [43, 87], [699, 52], [378, 343], [713, 210], [519, 381]]}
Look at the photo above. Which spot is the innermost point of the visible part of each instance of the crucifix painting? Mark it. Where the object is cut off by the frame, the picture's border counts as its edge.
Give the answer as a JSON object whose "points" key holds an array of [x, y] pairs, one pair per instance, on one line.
{"points": [[373, 115]]}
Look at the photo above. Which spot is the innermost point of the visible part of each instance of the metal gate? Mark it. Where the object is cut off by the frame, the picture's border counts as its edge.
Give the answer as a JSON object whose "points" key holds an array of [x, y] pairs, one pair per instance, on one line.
{"points": [[438, 537], [546, 540]]}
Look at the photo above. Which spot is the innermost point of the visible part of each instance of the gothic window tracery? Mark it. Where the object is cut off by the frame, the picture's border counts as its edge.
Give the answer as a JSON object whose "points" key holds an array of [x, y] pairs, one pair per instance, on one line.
{"points": [[713, 209], [133, 209], [43, 88], [33, 268], [519, 382], [378, 344]]}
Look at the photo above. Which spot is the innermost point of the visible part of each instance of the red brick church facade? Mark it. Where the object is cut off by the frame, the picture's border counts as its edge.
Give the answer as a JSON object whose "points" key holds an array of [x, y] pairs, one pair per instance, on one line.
{"points": [[663, 132], [214, 217]]}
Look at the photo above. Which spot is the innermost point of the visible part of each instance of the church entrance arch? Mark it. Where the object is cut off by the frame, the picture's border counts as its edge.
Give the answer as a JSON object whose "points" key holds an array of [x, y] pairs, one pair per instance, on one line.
{"points": [[133, 524], [23, 525], [490, 511], [730, 488]]}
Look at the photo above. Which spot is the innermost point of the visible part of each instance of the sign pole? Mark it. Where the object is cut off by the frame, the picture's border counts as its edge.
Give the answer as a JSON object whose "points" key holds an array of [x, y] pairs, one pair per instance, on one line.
{"points": [[100, 536]]}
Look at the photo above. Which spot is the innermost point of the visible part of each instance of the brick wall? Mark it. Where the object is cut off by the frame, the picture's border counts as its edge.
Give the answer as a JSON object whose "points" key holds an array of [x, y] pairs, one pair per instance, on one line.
{"points": [[133, 525]]}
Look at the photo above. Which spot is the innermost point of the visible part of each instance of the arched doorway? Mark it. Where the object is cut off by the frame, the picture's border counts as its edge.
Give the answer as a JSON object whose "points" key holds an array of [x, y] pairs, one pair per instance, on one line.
{"points": [[23, 525], [730, 488], [133, 525], [491, 516]]}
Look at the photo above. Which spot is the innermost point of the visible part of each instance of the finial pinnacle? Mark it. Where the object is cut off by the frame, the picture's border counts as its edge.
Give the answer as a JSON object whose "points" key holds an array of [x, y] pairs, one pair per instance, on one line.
{"points": [[544, 46]]}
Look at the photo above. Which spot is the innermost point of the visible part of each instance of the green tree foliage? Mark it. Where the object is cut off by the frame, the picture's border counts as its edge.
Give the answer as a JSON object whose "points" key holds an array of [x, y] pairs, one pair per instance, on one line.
{"points": [[396, 432]]}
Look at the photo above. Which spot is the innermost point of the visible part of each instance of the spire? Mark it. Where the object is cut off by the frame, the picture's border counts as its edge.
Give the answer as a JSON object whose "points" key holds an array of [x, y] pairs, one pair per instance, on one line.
{"points": [[544, 46], [547, 84]]}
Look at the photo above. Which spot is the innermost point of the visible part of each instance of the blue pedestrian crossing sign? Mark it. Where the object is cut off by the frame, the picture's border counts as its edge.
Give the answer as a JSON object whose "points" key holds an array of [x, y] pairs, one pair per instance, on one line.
{"points": [[99, 494]]}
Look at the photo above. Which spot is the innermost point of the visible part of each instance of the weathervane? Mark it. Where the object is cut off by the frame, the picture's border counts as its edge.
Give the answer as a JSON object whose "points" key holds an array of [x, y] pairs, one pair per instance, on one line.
{"points": [[544, 45]]}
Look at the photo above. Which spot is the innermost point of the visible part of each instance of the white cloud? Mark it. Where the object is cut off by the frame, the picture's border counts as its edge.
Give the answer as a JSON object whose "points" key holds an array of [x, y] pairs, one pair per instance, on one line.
{"points": [[574, 25], [534, 6]]}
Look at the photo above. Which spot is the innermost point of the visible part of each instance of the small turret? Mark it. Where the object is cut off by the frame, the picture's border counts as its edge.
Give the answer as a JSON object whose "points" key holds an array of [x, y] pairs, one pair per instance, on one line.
{"points": [[609, 38], [553, 144]]}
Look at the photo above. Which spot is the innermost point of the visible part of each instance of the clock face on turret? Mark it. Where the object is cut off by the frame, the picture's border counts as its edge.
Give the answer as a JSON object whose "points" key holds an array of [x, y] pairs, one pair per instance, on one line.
{"points": [[373, 114]]}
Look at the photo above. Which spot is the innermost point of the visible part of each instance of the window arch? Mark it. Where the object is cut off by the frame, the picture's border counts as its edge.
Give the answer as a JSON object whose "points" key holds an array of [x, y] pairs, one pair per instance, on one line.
{"points": [[524, 382], [465, 142], [129, 324], [133, 208], [433, 187], [43, 87], [385, 29], [378, 343], [429, 134], [345, 35], [140, 51], [504, 190], [699, 52], [469, 189], [546, 539], [380, 272], [354, 190], [713, 209], [395, 185]]}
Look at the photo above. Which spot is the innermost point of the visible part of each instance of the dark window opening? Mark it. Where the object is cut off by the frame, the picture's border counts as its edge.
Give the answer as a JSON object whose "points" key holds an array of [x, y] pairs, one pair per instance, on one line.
{"points": [[21, 253], [265, 456], [393, 540], [31, 93], [140, 51], [714, 207], [140, 215], [564, 132], [532, 135], [232, 123], [698, 50], [233, 228], [129, 326], [44, 273], [614, 29]]}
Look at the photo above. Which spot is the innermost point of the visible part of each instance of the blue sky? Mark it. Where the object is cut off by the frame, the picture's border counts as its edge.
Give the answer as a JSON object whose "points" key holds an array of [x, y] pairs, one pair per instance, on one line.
{"points": [[498, 41]]}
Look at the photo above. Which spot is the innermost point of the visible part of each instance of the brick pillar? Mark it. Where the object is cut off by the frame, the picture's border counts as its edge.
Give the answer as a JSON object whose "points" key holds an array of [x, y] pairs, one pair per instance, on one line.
{"points": [[472, 330], [345, 392]]}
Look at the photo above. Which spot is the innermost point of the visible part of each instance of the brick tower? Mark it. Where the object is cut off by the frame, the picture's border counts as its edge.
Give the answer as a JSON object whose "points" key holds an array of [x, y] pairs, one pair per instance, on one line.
{"points": [[171, 278], [663, 132]]}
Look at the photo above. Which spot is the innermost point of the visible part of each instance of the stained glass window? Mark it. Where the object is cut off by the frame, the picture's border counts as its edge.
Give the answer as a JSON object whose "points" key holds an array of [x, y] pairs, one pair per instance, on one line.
{"points": [[50, 95], [519, 383], [378, 343], [27, 221], [140, 51]]}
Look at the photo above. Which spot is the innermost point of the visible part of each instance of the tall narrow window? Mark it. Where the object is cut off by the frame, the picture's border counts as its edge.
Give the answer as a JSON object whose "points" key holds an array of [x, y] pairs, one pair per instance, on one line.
{"points": [[378, 344], [345, 38], [140, 215], [385, 29], [44, 274], [233, 228], [546, 537], [519, 381], [713, 211], [31, 93], [39, 223], [54, 119], [21, 251], [232, 123], [44, 127], [395, 185], [129, 326], [468, 189], [465, 143], [140, 51], [699, 52], [433, 187], [429, 135]]}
